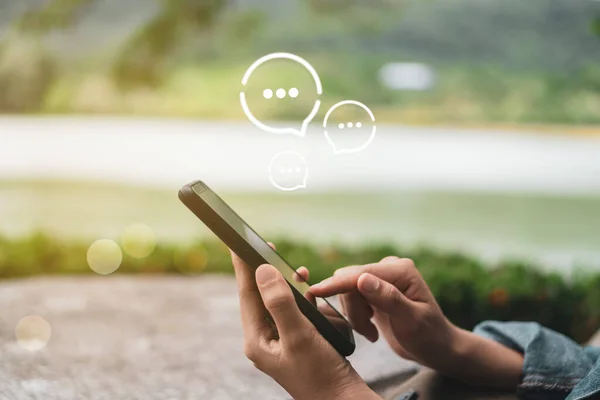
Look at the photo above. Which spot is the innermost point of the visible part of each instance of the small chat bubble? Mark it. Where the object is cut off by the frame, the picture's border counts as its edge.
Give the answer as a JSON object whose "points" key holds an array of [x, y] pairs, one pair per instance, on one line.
{"points": [[288, 171], [279, 93], [349, 119]]}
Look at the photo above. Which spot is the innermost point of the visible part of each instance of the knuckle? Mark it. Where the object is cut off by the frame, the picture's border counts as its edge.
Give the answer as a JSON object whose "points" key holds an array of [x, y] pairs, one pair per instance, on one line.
{"points": [[260, 367], [252, 352], [390, 259], [392, 293], [279, 301], [404, 263], [407, 263], [347, 270], [247, 295]]}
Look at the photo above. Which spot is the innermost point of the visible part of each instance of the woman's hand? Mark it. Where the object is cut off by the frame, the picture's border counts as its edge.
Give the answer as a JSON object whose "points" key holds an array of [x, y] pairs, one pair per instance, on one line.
{"points": [[395, 297], [286, 345], [393, 294]]}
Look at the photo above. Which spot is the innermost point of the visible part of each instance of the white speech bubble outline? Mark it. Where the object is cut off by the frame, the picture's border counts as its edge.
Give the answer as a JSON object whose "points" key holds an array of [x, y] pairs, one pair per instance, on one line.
{"points": [[343, 103], [311, 70], [288, 152]]}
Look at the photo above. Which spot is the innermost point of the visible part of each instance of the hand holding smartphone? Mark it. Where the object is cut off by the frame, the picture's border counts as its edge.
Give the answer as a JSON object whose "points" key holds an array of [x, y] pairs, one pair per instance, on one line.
{"points": [[255, 251]]}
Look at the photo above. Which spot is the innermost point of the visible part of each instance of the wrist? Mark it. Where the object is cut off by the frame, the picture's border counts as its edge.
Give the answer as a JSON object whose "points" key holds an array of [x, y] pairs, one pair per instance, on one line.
{"points": [[456, 347], [460, 346], [356, 389], [480, 361]]}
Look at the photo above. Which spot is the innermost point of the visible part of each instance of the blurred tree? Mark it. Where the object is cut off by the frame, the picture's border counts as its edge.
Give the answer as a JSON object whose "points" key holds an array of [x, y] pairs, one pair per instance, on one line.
{"points": [[335, 6], [142, 58], [27, 70], [596, 26], [56, 14], [26, 74]]}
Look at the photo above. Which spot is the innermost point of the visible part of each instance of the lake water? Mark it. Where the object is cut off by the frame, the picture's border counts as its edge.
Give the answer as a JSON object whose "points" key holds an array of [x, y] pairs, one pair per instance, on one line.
{"points": [[236, 156], [494, 194]]}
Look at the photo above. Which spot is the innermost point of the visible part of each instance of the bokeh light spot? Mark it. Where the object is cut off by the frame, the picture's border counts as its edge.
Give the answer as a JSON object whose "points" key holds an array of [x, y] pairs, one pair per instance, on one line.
{"points": [[33, 332], [138, 240], [280, 93], [341, 126], [192, 261], [104, 256], [359, 125]]}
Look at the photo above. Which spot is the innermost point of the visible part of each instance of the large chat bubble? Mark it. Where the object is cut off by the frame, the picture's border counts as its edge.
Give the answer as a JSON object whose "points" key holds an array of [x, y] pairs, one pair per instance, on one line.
{"points": [[276, 94], [349, 126], [288, 171]]}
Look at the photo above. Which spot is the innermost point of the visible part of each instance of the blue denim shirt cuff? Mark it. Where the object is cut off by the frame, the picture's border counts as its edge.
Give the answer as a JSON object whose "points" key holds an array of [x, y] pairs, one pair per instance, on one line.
{"points": [[553, 363]]}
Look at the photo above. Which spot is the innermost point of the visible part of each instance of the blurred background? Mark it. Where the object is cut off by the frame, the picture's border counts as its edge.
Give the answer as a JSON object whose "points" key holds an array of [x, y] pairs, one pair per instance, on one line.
{"points": [[485, 168]]}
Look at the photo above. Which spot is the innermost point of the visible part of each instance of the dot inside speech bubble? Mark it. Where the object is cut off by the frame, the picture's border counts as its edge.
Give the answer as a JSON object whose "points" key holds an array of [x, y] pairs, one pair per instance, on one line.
{"points": [[279, 90], [288, 171], [349, 126]]}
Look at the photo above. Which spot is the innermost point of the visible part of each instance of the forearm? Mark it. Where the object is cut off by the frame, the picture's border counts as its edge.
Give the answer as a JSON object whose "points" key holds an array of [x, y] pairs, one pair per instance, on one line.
{"points": [[482, 362]]}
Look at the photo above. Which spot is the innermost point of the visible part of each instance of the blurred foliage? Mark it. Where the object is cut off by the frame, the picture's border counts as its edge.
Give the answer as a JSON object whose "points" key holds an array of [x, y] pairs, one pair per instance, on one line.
{"points": [[27, 72], [469, 94], [596, 26], [467, 290], [508, 61], [142, 59], [55, 14], [344, 8]]}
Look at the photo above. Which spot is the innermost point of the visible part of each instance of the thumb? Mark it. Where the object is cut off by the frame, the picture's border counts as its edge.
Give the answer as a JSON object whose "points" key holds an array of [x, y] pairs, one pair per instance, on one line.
{"points": [[383, 295], [280, 303]]}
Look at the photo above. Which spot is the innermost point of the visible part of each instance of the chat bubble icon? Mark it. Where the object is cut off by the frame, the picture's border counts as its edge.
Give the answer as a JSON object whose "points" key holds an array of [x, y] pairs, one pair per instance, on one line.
{"points": [[349, 126], [288, 171], [279, 93]]}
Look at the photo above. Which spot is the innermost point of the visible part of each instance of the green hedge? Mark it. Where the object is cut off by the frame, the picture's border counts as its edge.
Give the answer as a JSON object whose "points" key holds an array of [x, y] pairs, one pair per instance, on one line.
{"points": [[468, 290]]}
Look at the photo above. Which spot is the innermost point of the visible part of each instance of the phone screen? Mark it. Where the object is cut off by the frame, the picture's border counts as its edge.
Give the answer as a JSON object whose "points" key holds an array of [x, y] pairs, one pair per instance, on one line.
{"points": [[272, 257]]}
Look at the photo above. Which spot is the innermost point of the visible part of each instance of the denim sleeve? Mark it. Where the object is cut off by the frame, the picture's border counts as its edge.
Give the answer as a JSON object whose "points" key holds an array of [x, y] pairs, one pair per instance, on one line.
{"points": [[555, 367]]}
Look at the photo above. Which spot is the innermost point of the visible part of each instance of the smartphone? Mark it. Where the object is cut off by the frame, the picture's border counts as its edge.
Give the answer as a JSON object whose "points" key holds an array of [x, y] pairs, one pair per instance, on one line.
{"points": [[255, 251]]}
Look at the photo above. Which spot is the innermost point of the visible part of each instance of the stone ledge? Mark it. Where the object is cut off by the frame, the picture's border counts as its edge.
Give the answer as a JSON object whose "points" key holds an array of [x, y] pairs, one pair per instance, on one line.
{"points": [[126, 337]]}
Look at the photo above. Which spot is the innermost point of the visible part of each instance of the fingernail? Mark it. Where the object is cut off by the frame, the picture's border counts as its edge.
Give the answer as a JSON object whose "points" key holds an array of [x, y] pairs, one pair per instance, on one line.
{"points": [[265, 274], [370, 283]]}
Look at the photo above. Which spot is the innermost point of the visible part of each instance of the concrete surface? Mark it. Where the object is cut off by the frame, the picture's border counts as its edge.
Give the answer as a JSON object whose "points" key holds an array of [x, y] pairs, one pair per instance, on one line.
{"points": [[129, 338]]}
